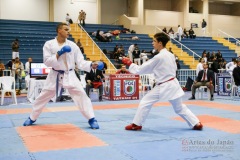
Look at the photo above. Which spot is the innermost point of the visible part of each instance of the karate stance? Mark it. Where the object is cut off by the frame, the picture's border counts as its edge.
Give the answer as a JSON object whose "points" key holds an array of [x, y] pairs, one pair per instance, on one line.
{"points": [[62, 54], [163, 66]]}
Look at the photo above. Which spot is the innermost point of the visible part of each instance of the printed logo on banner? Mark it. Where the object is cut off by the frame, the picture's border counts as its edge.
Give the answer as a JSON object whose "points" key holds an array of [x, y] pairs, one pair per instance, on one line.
{"points": [[220, 84], [129, 87], [107, 87], [117, 87], [228, 84]]}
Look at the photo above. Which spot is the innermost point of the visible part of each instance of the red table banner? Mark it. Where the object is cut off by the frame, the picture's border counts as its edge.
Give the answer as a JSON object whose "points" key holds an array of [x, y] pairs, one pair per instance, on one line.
{"points": [[121, 87]]}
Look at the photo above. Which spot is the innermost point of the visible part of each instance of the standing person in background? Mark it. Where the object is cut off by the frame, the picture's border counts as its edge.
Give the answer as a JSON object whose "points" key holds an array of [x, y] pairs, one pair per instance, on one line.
{"points": [[27, 69], [15, 49], [200, 65], [136, 56], [164, 67], [236, 75], [9, 66], [204, 25], [130, 51], [143, 56], [179, 33], [68, 19], [231, 65], [27, 65], [79, 44], [61, 54], [82, 17], [17, 69]]}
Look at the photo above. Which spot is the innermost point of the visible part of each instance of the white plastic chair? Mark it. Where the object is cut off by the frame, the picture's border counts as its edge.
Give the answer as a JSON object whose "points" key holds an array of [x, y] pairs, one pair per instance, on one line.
{"points": [[7, 72], [200, 92], [8, 85]]}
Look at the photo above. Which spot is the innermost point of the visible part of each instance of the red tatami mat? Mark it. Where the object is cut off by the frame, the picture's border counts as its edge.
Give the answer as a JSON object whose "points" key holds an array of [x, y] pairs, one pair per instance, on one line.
{"points": [[57, 137], [223, 124]]}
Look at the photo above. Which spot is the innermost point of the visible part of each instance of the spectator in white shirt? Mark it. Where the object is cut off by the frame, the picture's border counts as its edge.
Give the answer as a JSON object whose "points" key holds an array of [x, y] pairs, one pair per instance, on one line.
{"points": [[200, 65], [179, 33], [231, 65], [27, 70]]}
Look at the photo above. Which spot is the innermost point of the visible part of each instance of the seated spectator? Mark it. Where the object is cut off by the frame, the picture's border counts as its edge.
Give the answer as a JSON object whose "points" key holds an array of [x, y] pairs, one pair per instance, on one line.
{"points": [[79, 44], [94, 79], [101, 37], [108, 36], [192, 33], [185, 34], [204, 78], [222, 64], [123, 70], [2, 67], [171, 33], [135, 38], [115, 32], [219, 55], [122, 50]]}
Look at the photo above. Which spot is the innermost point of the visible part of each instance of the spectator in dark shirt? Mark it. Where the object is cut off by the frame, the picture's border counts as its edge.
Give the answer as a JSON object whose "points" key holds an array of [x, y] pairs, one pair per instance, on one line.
{"points": [[236, 73], [191, 33], [123, 70]]}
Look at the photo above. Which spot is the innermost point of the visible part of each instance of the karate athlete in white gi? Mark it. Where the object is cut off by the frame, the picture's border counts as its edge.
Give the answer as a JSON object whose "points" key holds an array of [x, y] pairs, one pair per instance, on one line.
{"points": [[62, 54], [163, 66]]}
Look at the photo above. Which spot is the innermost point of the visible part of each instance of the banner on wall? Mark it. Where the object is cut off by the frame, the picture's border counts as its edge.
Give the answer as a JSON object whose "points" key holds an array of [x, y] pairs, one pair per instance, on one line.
{"points": [[224, 84], [194, 25]]}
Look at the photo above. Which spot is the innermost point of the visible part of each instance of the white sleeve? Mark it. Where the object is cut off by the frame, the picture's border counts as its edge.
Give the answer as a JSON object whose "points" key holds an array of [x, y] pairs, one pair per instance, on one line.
{"points": [[79, 60], [49, 59], [145, 68]]}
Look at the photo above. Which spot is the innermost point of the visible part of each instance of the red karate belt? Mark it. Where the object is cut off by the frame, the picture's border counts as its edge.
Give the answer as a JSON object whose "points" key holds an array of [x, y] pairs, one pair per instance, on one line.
{"points": [[166, 81]]}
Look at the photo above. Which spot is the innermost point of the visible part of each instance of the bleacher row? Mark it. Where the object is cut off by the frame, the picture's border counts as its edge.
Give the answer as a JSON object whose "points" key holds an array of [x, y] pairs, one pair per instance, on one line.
{"points": [[207, 43], [33, 34]]}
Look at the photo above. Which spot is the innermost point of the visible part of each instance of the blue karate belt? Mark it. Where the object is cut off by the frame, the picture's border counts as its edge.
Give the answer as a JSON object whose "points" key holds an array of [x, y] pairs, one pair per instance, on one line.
{"points": [[57, 80]]}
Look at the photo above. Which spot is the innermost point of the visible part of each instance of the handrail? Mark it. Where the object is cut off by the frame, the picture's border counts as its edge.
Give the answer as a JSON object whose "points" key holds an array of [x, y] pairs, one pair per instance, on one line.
{"points": [[228, 35], [182, 45], [94, 43]]}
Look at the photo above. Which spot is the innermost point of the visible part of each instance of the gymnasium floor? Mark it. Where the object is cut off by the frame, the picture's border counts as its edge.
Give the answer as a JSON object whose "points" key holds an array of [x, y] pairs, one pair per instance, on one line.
{"points": [[61, 132]]}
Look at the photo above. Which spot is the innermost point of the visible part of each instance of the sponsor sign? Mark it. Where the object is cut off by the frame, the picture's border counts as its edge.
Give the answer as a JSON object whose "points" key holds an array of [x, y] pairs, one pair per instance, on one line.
{"points": [[121, 87]]}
